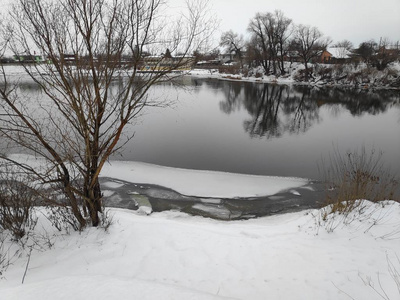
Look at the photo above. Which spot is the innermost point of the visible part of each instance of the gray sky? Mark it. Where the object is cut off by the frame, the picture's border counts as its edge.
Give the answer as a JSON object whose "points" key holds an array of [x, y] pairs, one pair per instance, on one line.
{"points": [[355, 20]]}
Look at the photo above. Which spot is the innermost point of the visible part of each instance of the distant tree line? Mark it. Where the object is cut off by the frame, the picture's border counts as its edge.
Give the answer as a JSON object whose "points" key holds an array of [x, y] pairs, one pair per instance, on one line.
{"points": [[379, 55], [275, 38]]}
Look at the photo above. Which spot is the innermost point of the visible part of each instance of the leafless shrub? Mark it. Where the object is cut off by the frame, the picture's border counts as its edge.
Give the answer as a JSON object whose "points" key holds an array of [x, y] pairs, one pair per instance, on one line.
{"points": [[378, 286], [106, 219], [303, 74], [394, 271], [363, 76], [259, 75], [7, 252], [338, 69], [245, 72], [229, 69], [325, 73], [363, 214], [62, 218], [17, 200], [355, 176], [389, 76], [352, 179]]}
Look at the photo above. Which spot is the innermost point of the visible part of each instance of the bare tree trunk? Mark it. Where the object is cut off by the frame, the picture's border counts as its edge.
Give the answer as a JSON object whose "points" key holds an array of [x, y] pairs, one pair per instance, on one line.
{"points": [[93, 198]]}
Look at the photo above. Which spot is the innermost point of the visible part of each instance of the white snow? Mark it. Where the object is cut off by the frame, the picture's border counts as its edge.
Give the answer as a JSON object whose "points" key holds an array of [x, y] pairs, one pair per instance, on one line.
{"points": [[201, 183], [339, 52], [171, 255]]}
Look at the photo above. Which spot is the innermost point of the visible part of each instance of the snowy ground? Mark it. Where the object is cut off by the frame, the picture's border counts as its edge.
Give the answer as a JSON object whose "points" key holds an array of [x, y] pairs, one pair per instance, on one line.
{"points": [[171, 255], [174, 256], [213, 73]]}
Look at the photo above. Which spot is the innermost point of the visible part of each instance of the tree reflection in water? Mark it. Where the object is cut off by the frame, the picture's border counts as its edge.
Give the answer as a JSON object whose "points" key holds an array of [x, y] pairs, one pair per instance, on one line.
{"points": [[279, 109]]}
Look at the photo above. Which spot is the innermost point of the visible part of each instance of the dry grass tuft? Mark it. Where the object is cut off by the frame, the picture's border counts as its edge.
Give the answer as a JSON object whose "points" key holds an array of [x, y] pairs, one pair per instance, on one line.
{"points": [[356, 176]]}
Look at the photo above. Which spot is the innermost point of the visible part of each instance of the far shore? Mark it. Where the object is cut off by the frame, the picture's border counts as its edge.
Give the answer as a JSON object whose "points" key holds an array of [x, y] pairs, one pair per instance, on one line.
{"points": [[388, 79], [288, 80]]}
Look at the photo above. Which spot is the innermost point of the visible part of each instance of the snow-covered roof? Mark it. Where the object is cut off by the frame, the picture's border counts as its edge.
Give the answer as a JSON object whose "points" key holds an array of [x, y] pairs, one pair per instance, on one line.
{"points": [[339, 52]]}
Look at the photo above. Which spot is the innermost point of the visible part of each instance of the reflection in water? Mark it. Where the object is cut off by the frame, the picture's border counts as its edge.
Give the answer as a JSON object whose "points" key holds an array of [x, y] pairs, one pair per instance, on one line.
{"points": [[263, 104], [279, 109]]}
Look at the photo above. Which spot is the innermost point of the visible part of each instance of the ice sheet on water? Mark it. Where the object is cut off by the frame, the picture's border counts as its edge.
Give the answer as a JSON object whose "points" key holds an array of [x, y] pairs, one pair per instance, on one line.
{"points": [[294, 192], [307, 187], [113, 184], [216, 211], [210, 200], [108, 193], [163, 194], [143, 203]]}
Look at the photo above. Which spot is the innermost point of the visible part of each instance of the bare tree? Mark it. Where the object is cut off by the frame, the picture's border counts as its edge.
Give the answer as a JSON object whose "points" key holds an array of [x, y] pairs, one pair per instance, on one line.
{"points": [[260, 40], [344, 44], [95, 81], [366, 50], [283, 33], [253, 53], [387, 53], [233, 42], [271, 31], [309, 43]]}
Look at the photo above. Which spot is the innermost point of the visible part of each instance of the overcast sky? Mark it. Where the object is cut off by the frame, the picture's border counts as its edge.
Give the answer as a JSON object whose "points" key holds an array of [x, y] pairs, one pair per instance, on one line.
{"points": [[355, 20]]}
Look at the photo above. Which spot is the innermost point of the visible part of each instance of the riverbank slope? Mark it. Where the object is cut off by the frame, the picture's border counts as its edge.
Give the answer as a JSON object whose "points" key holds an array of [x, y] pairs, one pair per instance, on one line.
{"points": [[344, 75]]}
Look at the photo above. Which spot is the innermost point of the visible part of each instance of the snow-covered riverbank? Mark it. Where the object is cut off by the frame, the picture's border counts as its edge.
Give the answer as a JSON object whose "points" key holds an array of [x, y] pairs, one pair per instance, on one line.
{"points": [[172, 255], [358, 76], [346, 75]]}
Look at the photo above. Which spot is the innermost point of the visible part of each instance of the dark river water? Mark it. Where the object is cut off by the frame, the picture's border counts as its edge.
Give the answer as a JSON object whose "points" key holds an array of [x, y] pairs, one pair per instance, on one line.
{"points": [[264, 129]]}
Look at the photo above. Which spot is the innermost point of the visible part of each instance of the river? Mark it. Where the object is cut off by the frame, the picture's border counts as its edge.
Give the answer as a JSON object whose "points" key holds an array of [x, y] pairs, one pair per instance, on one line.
{"points": [[264, 129]]}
